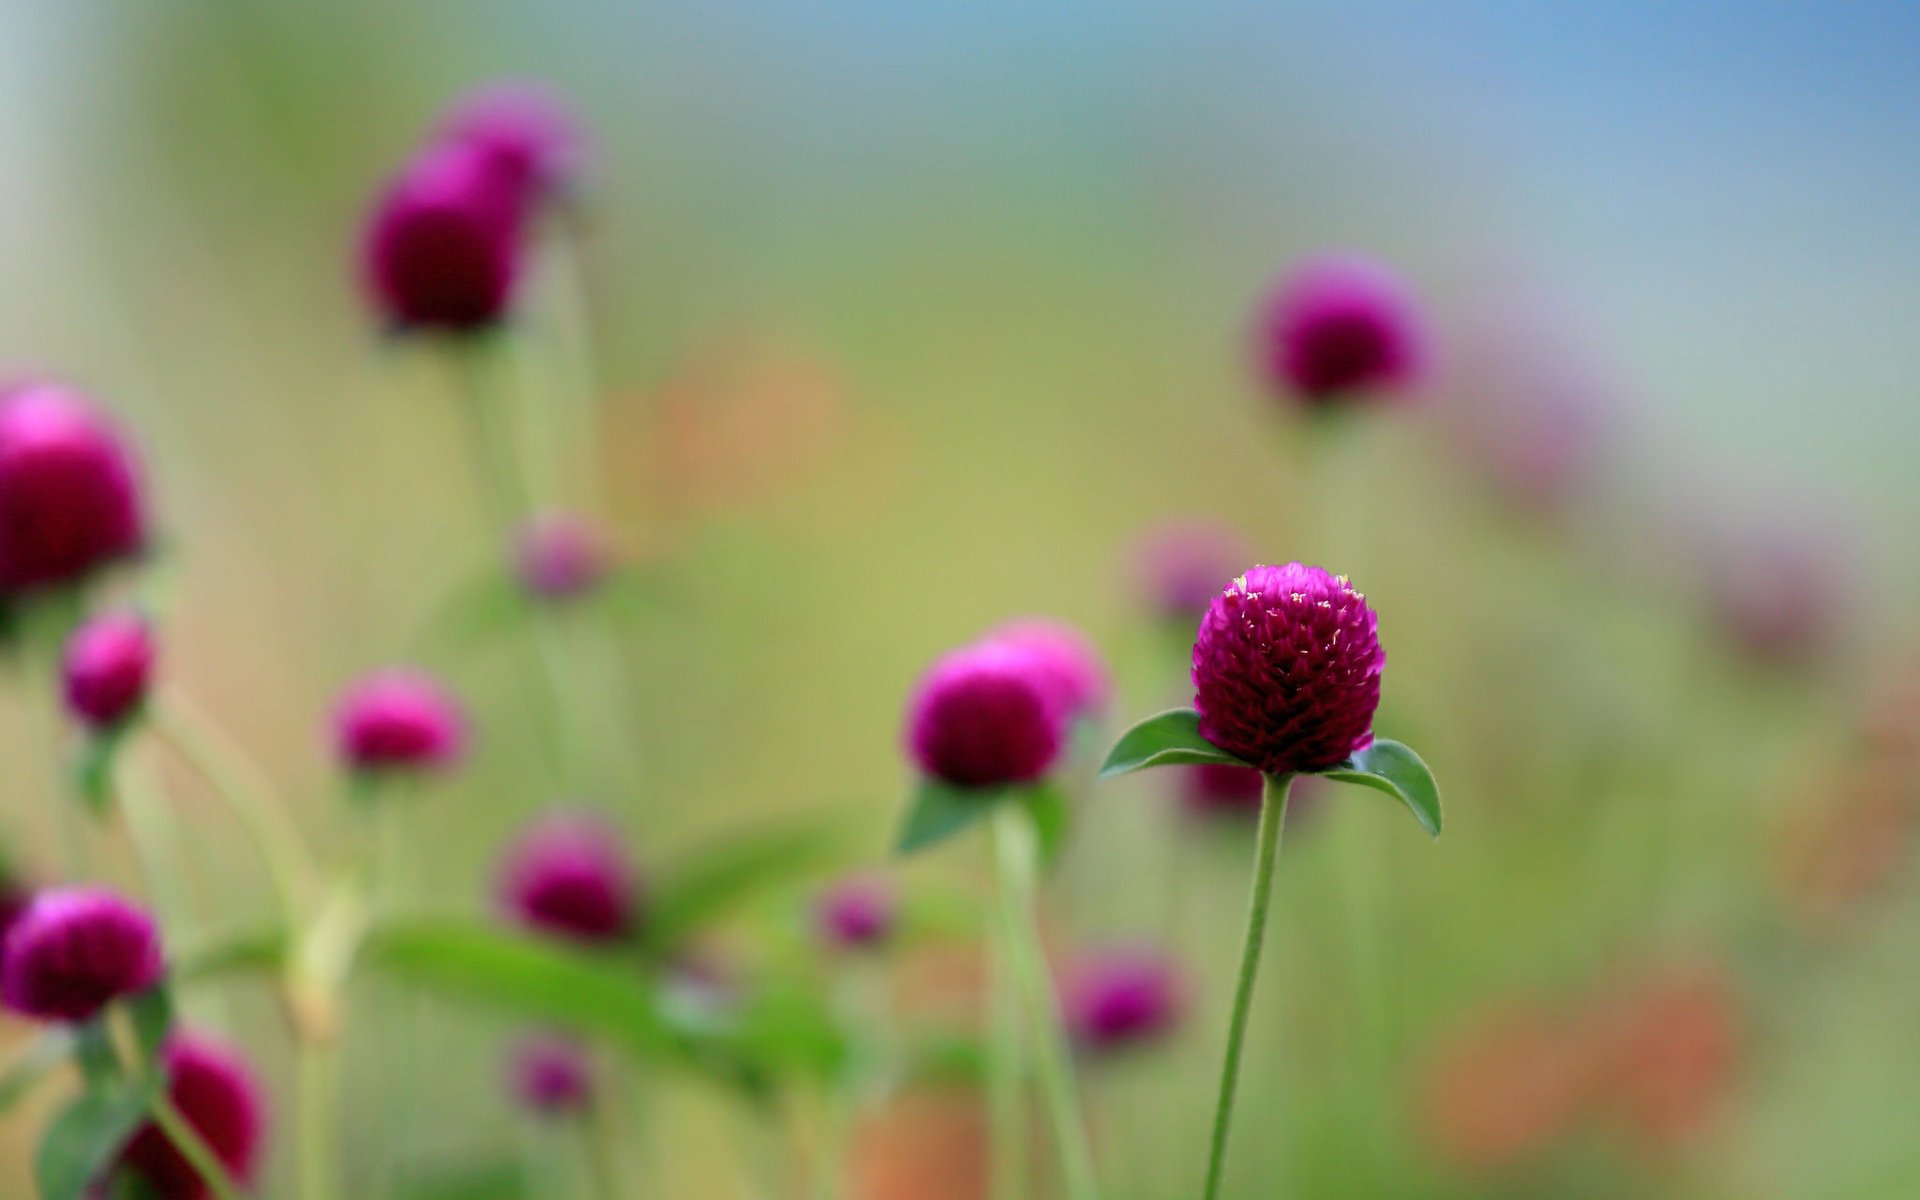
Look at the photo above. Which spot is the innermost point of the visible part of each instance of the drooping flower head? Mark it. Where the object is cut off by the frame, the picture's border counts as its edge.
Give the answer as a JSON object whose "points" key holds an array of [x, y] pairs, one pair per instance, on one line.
{"points": [[398, 720], [523, 132], [1286, 669], [107, 668], [550, 1074], [443, 245], [569, 875], [1340, 325], [216, 1092], [1122, 997], [857, 912], [1068, 664], [558, 556], [1183, 564], [70, 495], [76, 950], [984, 716]]}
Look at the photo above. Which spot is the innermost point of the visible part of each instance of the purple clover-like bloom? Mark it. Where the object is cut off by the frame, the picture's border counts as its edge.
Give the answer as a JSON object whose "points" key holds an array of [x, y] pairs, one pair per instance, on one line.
{"points": [[568, 875], [550, 1074], [217, 1094], [1341, 324], [525, 134], [1183, 564], [70, 494], [107, 668], [857, 912], [1068, 664], [1121, 998], [985, 716], [443, 245], [398, 720], [1286, 669], [76, 950], [558, 556]]}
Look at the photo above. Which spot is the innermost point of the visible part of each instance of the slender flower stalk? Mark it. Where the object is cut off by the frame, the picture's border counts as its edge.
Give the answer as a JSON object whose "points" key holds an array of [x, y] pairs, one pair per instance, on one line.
{"points": [[1273, 819], [1014, 855], [1006, 1082], [192, 1147]]}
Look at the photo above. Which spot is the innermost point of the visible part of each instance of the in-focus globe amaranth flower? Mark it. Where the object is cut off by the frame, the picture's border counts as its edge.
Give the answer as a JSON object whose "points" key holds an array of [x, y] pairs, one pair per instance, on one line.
{"points": [[70, 493], [569, 875], [1286, 669], [549, 1073], [398, 719], [857, 912], [1182, 565], [76, 950], [1067, 662], [525, 134], [217, 1094], [559, 556], [1338, 325], [1121, 997], [444, 243], [107, 668], [985, 716]]}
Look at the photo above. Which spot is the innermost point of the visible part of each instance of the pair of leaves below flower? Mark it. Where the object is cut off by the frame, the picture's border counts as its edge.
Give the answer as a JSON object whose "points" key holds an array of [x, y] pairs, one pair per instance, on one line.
{"points": [[1173, 738], [938, 810]]}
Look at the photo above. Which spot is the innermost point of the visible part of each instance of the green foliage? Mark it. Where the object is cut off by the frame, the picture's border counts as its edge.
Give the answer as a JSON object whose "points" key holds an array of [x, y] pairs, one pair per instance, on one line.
{"points": [[699, 888], [936, 811], [84, 1139], [1396, 770], [1166, 739]]}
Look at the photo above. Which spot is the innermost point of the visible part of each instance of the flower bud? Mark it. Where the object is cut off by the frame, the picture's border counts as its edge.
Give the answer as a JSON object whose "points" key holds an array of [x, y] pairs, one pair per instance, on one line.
{"points": [[76, 950], [107, 669]]}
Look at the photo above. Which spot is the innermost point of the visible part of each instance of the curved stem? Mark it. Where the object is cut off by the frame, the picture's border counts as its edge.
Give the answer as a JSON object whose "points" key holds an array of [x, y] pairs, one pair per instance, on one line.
{"points": [[1006, 1114], [1273, 818], [242, 787], [192, 1147], [316, 1101], [1014, 853]]}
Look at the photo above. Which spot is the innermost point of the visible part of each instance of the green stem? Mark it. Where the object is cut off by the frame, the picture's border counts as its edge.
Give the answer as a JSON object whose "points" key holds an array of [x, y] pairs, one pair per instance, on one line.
{"points": [[192, 1147], [603, 1156], [242, 787], [1273, 818], [1014, 855], [315, 1067], [1006, 1114]]}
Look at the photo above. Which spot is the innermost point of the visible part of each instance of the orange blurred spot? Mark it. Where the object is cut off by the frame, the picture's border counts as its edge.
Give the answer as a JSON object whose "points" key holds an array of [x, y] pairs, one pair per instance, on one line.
{"points": [[1669, 1048], [1504, 1090], [929, 1145]]}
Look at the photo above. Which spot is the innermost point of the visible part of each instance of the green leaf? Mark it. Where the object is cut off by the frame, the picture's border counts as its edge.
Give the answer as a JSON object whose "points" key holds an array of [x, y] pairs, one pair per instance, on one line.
{"points": [[936, 811], [84, 1139], [541, 981], [1394, 769], [33, 1063], [1170, 738], [254, 948], [1052, 820], [152, 1014], [699, 887]]}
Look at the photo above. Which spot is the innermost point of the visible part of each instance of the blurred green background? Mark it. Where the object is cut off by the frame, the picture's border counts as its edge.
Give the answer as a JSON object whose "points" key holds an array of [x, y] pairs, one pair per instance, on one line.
{"points": [[911, 318]]}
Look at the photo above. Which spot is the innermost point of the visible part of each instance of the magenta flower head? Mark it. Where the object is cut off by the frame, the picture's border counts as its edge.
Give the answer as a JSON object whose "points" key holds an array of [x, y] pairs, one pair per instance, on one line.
{"points": [[398, 720], [70, 495], [76, 950], [443, 245], [1286, 669], [1182, 565], [568, 875], [107, 668], [1339, 325], [1122, 998], [857, 912], [985, 716], [1068, 664], [216, 1092], [524, 133], [558, 556], [550, 1074]]}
